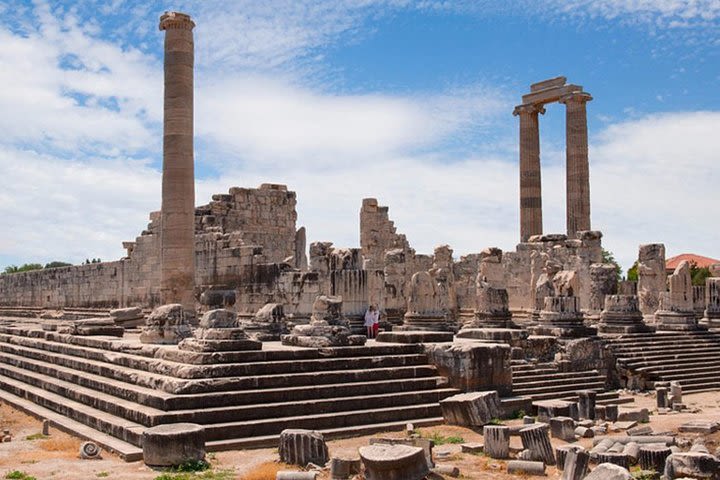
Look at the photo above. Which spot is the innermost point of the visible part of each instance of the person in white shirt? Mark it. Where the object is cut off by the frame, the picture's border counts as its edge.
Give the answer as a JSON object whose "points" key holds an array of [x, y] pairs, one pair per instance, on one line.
{"points": [[371, 317]]}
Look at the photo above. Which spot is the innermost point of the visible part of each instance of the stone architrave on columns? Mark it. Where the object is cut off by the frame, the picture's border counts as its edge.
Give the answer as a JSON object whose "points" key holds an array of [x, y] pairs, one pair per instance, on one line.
{"points": [[530, 180], [577, 166], [177, 234]]}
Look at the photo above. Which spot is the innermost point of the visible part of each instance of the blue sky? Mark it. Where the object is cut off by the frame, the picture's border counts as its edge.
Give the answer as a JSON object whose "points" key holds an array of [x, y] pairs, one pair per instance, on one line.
{"points": [[406, 101]]}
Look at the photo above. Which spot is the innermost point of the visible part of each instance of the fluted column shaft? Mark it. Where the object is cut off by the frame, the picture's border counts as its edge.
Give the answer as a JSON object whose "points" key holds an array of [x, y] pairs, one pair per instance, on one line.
{"points": [[530, 179], [177, 231], [577, 166]]}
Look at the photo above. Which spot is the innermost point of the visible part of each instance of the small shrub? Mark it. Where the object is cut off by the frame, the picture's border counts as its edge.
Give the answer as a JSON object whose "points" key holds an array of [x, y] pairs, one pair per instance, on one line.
{"points": [[644, 474], [36, 436], [439, 439], [495, 421], [206, 475], [519, 414], [102, 474], [18, 475], [191, 466]]}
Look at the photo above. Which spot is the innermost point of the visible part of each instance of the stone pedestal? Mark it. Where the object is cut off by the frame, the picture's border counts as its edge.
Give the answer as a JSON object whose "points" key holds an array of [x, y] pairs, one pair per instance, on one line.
{"points": [[394, 462], [497, 441], [561, 317], [491, 309], [603, 282], [173, 444], [300, 447], [218, 332], [651, 277], [424, 306], [712, 303], [168, 324], [622, 315], [676, 306], [320, 334], [267, 324]]}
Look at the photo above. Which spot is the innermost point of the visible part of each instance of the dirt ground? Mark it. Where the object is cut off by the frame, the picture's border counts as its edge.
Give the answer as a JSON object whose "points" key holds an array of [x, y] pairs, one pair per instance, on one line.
{"points": [[56, 456]]}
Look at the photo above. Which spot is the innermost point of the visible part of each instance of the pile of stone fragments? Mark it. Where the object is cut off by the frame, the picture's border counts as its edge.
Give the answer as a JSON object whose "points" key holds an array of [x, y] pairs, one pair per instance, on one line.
{"points": [[621, 438]]}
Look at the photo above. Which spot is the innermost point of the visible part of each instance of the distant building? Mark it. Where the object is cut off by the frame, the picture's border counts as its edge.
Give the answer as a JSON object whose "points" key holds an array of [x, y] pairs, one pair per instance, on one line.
{"points": [[699, 260]]}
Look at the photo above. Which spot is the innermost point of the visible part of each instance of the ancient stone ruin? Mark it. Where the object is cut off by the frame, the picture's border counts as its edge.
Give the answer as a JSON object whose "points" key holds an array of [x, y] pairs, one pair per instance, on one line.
{"points": [[223, 320]]}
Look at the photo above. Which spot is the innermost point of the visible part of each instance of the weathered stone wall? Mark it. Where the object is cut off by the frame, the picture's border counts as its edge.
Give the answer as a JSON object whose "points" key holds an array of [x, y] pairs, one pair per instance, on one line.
{"points": [[233, 233], [576, 254]]}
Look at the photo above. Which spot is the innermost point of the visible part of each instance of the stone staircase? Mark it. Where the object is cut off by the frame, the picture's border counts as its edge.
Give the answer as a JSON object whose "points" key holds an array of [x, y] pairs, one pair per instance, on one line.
{"points": [[692, 358], [118, 387], [543, 381]]}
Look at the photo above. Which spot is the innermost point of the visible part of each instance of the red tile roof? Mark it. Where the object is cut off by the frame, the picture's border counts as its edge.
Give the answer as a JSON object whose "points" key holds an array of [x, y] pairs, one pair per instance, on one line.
{"points": [[700, 261]]}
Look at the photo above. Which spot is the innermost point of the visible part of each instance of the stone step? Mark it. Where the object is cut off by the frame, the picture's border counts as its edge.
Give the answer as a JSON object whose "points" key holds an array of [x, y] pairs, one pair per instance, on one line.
{"points": [[707, 368], [178, 386], [104, 422], [182, 370], [650, 349], [306, 392], [568, 395], [126, 451], [557, 382], [322, 421], [117, 406], [150, 417], [560, 390], [552, 376], [297, 408], [523, 366], [687, 356], [706, 386]]}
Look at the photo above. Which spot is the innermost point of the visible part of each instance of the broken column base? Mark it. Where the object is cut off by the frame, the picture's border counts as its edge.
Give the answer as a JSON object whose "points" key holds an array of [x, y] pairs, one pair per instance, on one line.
{"points": [[433, 323], [676, 321]]}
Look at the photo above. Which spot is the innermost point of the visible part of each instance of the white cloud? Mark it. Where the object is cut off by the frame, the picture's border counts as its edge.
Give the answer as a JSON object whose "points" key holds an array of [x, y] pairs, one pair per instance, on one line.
{"points": [[279, 124]]}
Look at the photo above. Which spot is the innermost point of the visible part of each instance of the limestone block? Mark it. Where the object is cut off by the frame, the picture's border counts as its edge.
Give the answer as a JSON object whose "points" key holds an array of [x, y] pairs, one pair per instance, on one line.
{"points": [[548, 409], [300, 447], [561, 454], [167, 324], [218, 318], [291, 475], [634, 415], [393, 462], [173, 444], [471, 409], [693, 465], [89, 451], [473, 366], [562, 428], [125, 315], [586, 404], [609, 471], [653, 457]]}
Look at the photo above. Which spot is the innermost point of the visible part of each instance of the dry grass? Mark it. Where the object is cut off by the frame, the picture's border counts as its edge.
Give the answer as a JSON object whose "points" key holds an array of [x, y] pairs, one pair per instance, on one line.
{"points": [[266, 471], [61, 443]]}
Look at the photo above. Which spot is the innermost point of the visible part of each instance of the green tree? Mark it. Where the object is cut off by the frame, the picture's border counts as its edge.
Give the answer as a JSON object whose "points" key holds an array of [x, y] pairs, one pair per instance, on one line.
{"points": [[23, 268], [57, 264], [698, 274], [608, 257], [632, 274]]}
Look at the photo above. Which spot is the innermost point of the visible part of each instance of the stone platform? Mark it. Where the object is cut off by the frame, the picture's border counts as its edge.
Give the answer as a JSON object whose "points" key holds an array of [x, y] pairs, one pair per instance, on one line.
{"points": [[111, 389]]}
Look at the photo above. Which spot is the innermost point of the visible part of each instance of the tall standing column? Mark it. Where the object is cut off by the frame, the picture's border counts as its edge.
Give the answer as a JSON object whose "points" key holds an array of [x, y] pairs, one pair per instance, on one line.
{"points": [[177, 229], [530, 185], [578, 169]]}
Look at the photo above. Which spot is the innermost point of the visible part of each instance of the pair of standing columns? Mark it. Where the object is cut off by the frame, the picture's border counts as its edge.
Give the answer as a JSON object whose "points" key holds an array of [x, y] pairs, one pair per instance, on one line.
{"points": [[577, 167]]}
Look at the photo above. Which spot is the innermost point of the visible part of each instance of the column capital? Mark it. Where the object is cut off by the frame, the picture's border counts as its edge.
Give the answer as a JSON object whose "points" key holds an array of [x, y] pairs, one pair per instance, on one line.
{"points": [[576, 97], [176, 20], [529, 108]]}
